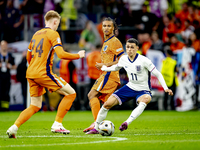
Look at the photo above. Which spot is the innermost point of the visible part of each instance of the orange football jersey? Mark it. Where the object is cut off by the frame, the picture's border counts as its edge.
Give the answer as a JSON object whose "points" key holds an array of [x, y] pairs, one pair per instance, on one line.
{"points": [[111, 50], [42, 48]]}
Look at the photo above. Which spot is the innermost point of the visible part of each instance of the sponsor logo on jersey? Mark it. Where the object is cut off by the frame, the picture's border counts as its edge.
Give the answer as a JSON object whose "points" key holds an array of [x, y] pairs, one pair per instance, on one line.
{"points": [[119, 49], [105, 48], [126, 66], [58, 40]]}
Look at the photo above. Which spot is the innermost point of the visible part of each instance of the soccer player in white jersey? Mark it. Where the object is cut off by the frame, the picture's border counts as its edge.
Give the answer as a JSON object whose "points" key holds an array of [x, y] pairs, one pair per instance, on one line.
{"points": [[138, 68]]}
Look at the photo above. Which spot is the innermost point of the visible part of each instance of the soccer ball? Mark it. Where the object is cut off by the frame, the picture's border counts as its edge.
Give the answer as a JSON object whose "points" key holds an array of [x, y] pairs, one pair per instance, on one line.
{"points": [[106, 128]]}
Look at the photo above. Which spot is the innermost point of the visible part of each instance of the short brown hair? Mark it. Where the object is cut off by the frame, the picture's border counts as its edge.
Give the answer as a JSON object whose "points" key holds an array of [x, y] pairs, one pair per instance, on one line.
{"points": [[51, 14]]}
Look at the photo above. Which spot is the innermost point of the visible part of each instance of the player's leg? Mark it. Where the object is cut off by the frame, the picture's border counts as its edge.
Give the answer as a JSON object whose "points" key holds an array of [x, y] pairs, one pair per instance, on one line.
{"points": [[101, 86], [143, 100], [112, 101], [64, 106], [94, 105], [36, 92], [36, 103], [94, 101]]}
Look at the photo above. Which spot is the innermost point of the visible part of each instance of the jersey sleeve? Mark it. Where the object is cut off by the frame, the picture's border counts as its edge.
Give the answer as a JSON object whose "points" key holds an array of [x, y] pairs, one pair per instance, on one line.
{"points": [[120, 62], [30, 46], [149, 65], [117, 49], [28, 55], [55, 39]]}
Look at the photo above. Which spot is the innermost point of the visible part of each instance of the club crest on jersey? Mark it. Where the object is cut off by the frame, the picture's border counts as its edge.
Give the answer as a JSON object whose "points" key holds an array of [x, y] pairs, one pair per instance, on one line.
{"points": [[138, 68], [58, 40], [105, 48]]}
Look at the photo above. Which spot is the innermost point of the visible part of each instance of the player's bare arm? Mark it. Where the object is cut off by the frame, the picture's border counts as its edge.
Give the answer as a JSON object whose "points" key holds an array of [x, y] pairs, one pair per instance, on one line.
{"points": [[65, 55], [162, 81]]}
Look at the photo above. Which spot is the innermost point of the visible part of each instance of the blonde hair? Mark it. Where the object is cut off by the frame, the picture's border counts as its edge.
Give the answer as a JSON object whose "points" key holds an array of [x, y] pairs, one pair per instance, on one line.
{"points": [[51, 14]]}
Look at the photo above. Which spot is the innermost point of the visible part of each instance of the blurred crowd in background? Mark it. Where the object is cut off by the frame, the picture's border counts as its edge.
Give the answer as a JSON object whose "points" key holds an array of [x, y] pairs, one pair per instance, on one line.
{"points": [[162, 25]]}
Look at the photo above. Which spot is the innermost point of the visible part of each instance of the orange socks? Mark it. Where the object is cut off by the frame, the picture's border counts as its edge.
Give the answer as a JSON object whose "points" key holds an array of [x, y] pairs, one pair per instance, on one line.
{"points": [[64, 107], [95, 107], [26, 114]]}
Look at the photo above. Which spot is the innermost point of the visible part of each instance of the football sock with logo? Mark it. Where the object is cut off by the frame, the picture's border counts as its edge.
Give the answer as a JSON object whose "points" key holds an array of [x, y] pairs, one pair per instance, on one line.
{"points": [[26, 114], [101, 116], [136, 112], [95, 107], [64, 107]]}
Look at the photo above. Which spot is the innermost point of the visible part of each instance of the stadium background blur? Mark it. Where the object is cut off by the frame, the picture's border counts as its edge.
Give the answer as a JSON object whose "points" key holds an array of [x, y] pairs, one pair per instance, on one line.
{"points": [[158, 25]]}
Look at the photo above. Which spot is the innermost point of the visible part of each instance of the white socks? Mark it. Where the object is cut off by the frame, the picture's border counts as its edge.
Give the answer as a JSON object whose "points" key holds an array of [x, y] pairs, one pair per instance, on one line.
{"points": [[56, 124], [101, 116], [14, 127], [136, 112]]}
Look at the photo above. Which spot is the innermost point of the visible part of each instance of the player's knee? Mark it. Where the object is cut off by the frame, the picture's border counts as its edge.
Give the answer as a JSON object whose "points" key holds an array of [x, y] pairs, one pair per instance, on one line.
{"points": [[91, 95], [35, 108], [146, 99], [73, 95], [107, 106]]}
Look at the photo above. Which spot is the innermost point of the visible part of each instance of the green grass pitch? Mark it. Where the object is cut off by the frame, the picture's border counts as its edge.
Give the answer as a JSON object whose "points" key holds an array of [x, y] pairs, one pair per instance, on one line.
{"points": [[152, 130]]}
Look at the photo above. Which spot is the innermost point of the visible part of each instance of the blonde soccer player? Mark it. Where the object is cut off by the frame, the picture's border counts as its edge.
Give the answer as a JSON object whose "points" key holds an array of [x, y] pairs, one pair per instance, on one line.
{"points": [[40, 55]]}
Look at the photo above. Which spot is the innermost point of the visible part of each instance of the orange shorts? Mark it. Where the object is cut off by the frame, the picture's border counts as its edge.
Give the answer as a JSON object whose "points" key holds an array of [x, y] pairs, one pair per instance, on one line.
{"points": [[38, 85], [105, 86]]}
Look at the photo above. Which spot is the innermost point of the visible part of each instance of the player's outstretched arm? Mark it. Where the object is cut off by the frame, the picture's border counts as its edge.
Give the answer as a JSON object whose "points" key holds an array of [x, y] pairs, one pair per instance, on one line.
{"points": [[111, 68], [162, 81], [65, 55]]}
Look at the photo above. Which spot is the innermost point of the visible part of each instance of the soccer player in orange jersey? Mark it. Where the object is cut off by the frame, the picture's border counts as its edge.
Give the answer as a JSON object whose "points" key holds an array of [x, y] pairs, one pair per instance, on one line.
{"points": [[108, 82], [42, 47]]}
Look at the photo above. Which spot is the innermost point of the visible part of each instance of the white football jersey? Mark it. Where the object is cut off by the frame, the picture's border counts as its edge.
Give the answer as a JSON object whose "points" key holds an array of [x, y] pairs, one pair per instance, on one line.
{"points": [[138, 71]]}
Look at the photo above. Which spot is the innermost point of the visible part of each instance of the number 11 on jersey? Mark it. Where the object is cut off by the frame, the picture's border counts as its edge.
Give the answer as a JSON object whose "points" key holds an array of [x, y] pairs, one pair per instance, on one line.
{"points": [[134, 76]]}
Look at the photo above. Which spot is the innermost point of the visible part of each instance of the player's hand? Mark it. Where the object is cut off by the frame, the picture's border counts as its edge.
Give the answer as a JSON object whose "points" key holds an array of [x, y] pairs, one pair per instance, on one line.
{"points": [[81, 53], [99, 65], [169, 92], [103, 68]]}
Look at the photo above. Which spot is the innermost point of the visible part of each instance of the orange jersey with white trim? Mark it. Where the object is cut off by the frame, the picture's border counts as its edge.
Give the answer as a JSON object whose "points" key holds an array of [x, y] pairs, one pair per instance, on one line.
{"points": [[42, 47], [112, 49]]}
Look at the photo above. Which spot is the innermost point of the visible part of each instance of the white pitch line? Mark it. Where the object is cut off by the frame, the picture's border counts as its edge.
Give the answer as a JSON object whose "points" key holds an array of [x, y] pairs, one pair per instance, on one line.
{"points": [[91, 136], [166, 141], [163, 134], [113, 139], [49, 136]]}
